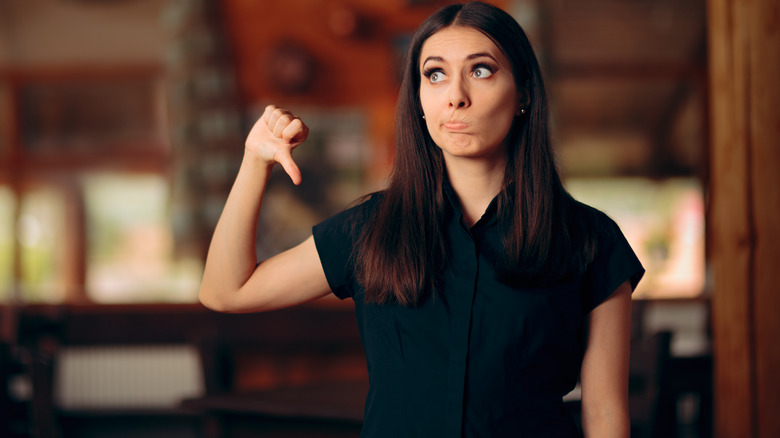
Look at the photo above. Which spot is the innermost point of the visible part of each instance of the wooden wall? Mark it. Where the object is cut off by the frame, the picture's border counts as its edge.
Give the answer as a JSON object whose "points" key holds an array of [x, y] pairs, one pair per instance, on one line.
{"points": [[343, 54], [350, 48], [744, 215]]}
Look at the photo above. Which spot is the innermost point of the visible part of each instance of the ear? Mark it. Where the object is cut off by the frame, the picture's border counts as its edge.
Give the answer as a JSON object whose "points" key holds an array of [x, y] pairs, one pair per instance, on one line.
{"points": [[523, 101]]}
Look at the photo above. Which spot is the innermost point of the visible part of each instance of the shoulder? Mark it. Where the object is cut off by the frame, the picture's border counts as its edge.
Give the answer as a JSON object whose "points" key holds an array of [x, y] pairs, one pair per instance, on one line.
{"points": [[603, 230], [336, 239], [602, 236], [366, 206], [600, 221], [614, 260], [349, 222], [361, 210]]}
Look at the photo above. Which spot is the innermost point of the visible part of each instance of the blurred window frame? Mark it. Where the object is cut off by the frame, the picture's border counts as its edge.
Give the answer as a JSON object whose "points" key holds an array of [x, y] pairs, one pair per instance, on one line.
{"points": [[24, 170]]}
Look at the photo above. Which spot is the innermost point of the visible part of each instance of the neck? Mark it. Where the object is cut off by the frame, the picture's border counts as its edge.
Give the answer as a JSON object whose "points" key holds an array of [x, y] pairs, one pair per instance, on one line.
{"points": [[476, 183]]}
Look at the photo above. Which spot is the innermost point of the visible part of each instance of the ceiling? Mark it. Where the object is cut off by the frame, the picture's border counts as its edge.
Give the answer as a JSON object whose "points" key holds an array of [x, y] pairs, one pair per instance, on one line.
{"points": [[627, 78], [628, 75]]}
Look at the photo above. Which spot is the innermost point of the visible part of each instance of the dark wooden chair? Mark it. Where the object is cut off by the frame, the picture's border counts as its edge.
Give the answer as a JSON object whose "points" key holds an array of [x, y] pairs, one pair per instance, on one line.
{"points": [[323, 336], [45, 331], [315, 380]]}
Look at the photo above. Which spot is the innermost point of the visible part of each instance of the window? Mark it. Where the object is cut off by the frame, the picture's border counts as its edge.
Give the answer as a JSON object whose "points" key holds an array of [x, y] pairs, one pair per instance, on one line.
{"points": [[663, 221], [130, 246], [84, 190], [41, 233]]}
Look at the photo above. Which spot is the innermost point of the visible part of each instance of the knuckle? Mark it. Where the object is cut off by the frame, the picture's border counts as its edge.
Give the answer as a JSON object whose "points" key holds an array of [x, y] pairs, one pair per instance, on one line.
{"points": [[279, 112]]}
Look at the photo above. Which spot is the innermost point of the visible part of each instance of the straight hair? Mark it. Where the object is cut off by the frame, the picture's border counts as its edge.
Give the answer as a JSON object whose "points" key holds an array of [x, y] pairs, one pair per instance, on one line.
{"points": [[401, 250]]}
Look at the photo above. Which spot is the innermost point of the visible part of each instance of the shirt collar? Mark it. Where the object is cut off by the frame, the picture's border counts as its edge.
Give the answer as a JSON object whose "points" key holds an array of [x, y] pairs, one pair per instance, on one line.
{"points": [[489, 217]]}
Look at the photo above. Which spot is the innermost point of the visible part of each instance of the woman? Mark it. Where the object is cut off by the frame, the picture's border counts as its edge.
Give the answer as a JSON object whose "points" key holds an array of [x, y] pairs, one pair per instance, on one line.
{"points": [[482, 289]]}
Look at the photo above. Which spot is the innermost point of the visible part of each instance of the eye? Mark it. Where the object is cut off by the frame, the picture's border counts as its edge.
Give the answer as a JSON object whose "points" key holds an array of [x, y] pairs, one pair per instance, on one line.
{"points": [[434, 75], [482, 71]]}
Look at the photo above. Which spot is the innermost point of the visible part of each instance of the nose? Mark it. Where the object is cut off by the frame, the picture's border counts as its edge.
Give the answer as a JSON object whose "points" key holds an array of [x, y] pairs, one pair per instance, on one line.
{"points": [[458, 94]]}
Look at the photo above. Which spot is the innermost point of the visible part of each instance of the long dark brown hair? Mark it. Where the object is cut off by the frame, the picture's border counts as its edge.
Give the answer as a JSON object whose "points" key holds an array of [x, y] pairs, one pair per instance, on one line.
{"points": [[401, 249]]}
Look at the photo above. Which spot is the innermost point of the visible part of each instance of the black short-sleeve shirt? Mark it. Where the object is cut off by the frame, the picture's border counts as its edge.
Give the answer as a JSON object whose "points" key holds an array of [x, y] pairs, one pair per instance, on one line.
{"points": [[477, 357]]}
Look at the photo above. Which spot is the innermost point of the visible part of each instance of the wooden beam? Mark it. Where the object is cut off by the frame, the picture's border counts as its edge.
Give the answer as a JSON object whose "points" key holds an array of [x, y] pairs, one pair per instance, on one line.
{"points": [[765, 154], [628, 71], [743, 218]]}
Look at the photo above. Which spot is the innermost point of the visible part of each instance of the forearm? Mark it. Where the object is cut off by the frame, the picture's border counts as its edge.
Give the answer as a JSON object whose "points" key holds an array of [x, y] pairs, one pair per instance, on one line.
{"points": [[232, 254], [606, 422]]}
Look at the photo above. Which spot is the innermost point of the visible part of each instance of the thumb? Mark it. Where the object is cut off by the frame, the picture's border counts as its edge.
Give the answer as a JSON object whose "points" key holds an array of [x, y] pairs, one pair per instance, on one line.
{"points": [[288, 164]]}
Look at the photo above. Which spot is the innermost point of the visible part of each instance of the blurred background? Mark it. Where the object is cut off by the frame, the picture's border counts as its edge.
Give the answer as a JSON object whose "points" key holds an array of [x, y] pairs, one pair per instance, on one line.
{"points": [[121, 129]]}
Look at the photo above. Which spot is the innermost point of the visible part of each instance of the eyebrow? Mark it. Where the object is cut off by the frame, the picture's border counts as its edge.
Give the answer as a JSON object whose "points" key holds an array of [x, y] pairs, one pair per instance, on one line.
{"points": [[468, 58]]}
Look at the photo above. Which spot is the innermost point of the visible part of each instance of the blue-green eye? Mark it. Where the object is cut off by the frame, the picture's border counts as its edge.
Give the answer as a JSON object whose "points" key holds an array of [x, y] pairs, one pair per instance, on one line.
{"points": [[482, 72]]}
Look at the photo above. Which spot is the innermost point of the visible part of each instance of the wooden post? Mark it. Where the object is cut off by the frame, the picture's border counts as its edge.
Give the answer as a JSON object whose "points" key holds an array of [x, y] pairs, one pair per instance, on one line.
{"points": [[74, 257], [744, 214]]}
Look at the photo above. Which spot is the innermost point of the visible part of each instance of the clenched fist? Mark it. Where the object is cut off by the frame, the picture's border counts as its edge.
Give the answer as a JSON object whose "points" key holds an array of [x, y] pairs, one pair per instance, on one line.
{"points": [[274, 136]]}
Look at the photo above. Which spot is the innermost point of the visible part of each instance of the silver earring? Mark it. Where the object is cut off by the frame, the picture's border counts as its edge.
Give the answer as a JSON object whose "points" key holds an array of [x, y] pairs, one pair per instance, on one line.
{"points": [[423, 116], [522, 110]]}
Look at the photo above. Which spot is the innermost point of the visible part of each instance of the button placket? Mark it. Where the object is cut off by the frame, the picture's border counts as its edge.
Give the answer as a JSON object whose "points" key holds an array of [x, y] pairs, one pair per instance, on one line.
{"points": [[460, 329]]}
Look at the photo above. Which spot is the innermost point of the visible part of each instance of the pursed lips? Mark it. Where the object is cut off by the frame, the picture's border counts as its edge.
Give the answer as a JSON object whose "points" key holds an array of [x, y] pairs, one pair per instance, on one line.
{"points": [[455, 125]]}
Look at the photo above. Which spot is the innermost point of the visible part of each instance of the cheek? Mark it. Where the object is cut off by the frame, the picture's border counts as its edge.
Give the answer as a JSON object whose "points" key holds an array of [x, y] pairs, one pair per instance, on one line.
{"points": [[501, 118], [427, 101], [504, 110]]}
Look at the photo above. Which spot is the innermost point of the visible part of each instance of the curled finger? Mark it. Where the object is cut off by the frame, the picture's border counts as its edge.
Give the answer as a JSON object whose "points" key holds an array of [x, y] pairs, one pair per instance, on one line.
{"points": [[295, 132], [282, 122]]}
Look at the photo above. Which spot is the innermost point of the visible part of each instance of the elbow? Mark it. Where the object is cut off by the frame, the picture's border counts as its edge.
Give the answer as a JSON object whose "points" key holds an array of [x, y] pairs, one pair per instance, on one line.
{"points": [[213, 300], [227, 301]]}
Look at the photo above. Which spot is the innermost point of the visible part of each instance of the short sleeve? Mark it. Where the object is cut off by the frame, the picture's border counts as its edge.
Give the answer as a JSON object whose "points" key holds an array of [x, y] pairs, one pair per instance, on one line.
{"points": [[615, 263], [335, 239]]}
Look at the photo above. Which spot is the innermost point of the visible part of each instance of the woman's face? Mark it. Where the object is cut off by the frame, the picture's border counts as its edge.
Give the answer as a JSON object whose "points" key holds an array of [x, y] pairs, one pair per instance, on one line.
{"points": [[468, 94]]}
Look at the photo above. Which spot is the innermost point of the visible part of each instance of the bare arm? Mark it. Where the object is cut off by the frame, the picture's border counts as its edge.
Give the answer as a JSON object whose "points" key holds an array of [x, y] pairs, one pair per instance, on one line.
{"points": [[232, 279], [604, 376]]}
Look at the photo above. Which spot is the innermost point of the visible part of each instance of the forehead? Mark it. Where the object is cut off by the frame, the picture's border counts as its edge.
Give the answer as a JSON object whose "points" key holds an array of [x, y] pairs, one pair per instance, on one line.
{"points": [[455, 43]]}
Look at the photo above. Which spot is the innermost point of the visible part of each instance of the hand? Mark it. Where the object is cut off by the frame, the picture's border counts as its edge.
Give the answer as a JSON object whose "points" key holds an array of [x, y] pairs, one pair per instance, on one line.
{"points": [[274, 136]]}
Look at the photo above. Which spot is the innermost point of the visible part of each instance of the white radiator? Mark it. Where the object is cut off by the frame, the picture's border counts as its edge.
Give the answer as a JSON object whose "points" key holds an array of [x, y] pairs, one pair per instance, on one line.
{"points": [[126, 377]]}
